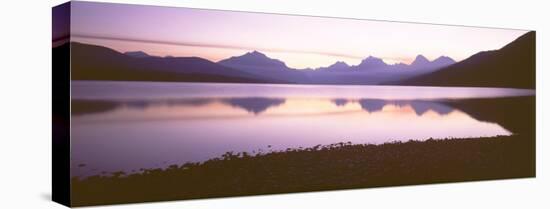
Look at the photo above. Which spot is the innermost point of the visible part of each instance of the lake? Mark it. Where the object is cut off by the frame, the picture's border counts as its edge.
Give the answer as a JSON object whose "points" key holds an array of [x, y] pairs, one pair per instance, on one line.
{"points": [[125, 126]]}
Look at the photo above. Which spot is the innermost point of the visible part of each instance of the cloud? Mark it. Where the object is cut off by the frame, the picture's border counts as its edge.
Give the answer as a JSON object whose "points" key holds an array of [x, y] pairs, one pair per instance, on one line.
{"points": [[223, 46]]}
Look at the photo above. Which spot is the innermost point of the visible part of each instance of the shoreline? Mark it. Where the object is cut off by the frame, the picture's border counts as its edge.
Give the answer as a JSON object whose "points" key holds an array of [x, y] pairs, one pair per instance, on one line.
{"points": [[329, 167]]}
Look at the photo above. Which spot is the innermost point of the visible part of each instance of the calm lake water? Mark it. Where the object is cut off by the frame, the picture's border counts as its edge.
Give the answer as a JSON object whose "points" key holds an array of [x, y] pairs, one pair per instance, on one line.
{"points": [[125, 126]]}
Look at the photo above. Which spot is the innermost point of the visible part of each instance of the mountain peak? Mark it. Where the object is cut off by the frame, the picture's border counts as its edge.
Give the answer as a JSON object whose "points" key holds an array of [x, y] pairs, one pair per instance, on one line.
{"points": [[444, 57], [137, 54], [420, 59], [444, 60], [254, 59], [371, 63], [371, 58], [339, 64], [256, 54], [422, 63]]}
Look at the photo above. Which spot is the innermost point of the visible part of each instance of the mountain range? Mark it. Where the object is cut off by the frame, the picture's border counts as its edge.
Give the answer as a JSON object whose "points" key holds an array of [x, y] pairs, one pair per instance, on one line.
{"points": [[511, 66], [374, 63]]}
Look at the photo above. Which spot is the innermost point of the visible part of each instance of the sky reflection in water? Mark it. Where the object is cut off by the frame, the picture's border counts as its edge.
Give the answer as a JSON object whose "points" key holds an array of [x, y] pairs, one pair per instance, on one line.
{"points": [[145, 134]]}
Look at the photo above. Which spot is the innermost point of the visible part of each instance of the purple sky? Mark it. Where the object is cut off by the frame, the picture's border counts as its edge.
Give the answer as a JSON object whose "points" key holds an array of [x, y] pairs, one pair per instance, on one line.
{"points": [[299, 41]]}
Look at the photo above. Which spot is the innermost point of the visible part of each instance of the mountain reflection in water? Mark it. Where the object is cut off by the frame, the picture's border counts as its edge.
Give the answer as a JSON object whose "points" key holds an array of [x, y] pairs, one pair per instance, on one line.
{"points": [[253, 105]]}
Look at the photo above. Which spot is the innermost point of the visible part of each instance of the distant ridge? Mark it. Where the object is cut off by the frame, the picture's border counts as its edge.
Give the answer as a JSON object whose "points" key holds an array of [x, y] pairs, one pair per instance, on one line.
{"points": [[137, 54], [92, 62]]}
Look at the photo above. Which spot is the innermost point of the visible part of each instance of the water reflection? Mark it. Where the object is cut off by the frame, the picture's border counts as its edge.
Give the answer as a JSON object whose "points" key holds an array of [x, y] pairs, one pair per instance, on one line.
{"points": [[340, 102], [253, 105], [372, 105], [112, 135], [420, 107]]}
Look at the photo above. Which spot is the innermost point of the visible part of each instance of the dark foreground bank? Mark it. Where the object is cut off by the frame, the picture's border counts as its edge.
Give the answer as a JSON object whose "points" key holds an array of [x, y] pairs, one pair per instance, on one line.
{"points": [[338, 166]]}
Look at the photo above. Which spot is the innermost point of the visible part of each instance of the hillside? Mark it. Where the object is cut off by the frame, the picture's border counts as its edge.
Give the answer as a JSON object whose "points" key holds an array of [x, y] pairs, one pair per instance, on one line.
{"points": [[512, 66], [90, 62]]}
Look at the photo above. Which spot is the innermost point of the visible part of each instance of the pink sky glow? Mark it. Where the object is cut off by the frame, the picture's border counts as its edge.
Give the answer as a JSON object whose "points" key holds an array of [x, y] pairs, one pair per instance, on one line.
{"points": [[299, 41]]}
